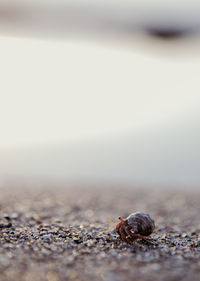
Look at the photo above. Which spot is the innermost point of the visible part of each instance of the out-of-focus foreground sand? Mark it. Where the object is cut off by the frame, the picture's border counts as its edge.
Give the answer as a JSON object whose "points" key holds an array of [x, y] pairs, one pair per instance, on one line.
{"points": [[59, 233]]}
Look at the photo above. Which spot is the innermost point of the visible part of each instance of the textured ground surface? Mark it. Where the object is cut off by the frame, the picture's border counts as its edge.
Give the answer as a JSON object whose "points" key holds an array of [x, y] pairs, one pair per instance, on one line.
{"points": [[58, 234]]}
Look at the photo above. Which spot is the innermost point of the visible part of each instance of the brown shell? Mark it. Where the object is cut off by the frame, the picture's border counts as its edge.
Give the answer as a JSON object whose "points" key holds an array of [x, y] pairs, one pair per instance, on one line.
{"points": [[141, 223]]}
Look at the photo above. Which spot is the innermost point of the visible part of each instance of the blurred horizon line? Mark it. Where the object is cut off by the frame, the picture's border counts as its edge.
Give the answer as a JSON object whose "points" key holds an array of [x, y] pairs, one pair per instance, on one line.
{"points": [[60, 18]]}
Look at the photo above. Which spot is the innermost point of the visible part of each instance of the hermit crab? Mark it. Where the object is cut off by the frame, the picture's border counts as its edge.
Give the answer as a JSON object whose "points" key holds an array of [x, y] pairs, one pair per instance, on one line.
{"points": [[137, 226]]}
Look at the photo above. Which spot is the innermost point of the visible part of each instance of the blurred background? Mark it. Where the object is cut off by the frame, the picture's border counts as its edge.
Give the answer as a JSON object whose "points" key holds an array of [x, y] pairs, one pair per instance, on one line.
{"points": [[100, 92]]}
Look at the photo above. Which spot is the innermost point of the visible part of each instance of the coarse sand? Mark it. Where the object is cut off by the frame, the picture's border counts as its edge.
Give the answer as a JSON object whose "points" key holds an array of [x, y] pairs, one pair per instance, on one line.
{"points": [[66, 233]]}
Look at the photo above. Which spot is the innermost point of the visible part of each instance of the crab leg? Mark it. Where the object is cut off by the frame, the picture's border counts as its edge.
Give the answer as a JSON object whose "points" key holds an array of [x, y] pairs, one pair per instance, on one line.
{"points": [[123, 236], [133, 235]]}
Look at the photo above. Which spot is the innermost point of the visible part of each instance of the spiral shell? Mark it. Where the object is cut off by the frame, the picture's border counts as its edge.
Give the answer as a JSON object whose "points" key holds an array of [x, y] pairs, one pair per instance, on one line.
{"points": [[141, 223]]}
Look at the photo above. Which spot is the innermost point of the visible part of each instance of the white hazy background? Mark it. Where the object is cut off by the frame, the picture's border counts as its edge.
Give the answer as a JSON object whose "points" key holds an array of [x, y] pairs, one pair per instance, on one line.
{"points": [[85, 108]]}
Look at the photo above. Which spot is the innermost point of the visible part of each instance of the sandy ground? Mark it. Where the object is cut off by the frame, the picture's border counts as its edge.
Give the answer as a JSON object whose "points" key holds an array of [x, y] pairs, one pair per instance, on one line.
{"points": [[59, 234]]}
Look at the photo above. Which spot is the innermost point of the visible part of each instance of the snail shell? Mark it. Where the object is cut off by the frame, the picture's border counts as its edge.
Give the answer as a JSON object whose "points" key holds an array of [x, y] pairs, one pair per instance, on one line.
{"points": [[141, 223]]}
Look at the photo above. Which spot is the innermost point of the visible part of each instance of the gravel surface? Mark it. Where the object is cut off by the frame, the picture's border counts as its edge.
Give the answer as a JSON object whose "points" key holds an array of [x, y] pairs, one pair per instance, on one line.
{"points": [[66, 234]]}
